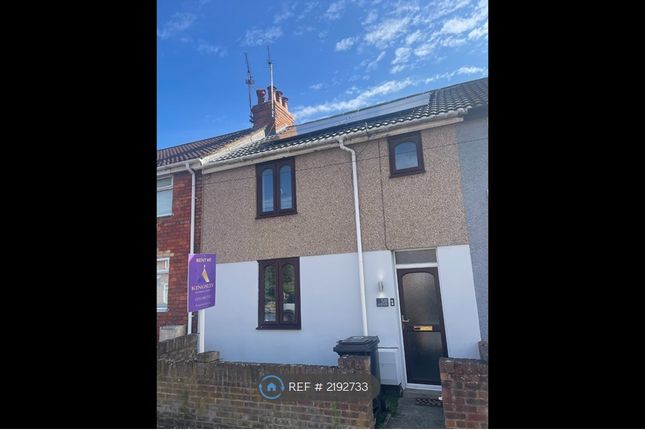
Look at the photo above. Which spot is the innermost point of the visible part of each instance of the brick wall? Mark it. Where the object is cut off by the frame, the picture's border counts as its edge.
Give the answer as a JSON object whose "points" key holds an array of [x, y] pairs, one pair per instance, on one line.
{"points": [[178, 349], [206, 393], [464, 386], [173, 241]]}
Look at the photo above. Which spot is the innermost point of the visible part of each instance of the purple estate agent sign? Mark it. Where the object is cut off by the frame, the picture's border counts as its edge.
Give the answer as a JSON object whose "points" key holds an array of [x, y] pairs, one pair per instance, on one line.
{"points": [[201, 281]]}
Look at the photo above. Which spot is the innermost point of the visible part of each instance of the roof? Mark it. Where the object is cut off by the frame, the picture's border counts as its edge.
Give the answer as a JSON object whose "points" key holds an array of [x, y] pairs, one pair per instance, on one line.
{"points": [[198, 149], [466, 96]]}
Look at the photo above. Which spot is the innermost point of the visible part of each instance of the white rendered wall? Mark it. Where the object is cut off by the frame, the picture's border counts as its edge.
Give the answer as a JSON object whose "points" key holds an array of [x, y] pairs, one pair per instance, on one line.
{"points": [[458, 300], [330, 303], [331, 309]]}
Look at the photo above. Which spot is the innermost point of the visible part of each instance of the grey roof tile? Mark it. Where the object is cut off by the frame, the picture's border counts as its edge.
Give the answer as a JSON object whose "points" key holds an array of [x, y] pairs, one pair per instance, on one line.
{"points": [[466, 95], [200, 148]]}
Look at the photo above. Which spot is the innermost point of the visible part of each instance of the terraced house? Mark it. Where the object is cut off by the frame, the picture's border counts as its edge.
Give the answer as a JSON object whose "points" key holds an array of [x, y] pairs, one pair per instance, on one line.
{"points": [[373, 222], [179, 191]]}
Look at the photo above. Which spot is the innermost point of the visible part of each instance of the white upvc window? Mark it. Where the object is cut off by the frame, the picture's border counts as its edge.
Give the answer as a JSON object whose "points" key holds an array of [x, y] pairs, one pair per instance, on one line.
{"points": [[163, 267], [164, 196]]}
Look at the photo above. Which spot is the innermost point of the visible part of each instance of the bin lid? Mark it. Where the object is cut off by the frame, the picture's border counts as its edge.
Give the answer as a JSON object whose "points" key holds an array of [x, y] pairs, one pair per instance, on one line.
{"points": [[357, 344], [358, 340]]}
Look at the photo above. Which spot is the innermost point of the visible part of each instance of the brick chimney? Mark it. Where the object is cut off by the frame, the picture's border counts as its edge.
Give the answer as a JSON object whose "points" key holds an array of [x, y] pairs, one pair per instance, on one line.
{"points": [[261, 112]]}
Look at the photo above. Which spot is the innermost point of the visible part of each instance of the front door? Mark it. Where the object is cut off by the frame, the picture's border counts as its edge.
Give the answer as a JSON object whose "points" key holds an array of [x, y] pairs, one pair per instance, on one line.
{"points": [[424, 338]]}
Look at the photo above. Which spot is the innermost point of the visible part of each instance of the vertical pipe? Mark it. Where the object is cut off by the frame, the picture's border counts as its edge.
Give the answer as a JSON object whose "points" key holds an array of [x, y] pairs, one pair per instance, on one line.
{"points": [[359, 245]]}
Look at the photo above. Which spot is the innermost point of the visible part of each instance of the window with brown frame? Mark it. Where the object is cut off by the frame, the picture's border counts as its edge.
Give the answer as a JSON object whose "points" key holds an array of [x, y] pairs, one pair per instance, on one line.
{"points": [[406, 154], [276, 188], [279, 294]]}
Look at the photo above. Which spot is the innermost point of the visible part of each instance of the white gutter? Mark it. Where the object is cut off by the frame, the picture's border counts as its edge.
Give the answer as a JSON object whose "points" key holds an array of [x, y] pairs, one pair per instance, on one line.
{"points": [[359, 246], [331, 142], [192, 234]]}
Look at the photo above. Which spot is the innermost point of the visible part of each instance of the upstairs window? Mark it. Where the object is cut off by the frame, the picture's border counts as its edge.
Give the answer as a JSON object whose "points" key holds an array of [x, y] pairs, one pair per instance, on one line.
{"points": [[164, 196], [406, 154], [279, 299], [276, 188]]}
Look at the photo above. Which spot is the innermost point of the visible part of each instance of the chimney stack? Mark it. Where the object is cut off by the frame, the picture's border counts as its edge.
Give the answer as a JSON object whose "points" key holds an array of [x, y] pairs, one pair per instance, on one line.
{"points": [[262, 111]]}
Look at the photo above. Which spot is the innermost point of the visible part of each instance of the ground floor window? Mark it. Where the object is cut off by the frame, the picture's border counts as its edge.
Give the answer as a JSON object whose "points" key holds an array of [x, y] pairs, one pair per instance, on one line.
{"points": [[279, 294], [163, 266]]}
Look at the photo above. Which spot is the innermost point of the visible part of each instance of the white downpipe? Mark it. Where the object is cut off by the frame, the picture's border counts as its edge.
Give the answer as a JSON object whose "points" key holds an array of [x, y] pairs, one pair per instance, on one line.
{"points": [[359, 246]]}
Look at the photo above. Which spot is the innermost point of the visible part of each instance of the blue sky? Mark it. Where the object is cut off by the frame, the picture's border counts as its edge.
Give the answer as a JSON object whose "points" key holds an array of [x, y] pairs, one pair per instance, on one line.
{"points": [[329, 56]]}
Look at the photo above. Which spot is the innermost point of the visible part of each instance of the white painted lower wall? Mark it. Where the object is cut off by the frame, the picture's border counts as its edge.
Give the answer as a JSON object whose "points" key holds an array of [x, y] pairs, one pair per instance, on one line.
{"points": [[331, 310]]}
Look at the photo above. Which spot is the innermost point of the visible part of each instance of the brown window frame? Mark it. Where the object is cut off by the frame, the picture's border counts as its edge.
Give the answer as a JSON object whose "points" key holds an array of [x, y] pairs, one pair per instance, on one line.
{"points": [[279, 324], [276, 165], [415, 138]]}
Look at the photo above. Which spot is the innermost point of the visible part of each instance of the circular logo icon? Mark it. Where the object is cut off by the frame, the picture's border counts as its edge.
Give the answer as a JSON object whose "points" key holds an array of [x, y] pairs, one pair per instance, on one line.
{"points": [[271, 387]]}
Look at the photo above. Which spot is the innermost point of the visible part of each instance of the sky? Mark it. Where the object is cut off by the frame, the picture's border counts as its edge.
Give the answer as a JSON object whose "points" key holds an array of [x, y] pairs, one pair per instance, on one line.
{"points": [[329, 57]]}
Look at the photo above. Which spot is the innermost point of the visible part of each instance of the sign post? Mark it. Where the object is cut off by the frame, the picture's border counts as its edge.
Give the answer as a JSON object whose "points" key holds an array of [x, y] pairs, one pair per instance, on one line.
{"points": [[201, 288]]}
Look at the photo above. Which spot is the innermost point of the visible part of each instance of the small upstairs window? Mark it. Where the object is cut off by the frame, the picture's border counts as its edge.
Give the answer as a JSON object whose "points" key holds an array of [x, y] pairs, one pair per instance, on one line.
{"points": [[164, 196], [276, 188], [406, 154]]}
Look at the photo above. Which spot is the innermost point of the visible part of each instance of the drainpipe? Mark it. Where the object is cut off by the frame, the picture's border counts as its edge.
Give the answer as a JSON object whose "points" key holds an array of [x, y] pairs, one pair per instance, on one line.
{"points": [[359, 246], [192, 251]]}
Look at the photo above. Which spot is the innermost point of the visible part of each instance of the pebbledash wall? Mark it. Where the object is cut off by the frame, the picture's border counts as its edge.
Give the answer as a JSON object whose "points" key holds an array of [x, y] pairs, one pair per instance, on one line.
{"points": [[408, 212], [472, 139], [173, 241]]}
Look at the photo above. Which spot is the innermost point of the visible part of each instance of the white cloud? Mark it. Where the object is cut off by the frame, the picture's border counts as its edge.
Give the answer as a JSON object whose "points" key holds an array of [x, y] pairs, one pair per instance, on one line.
{"points": [[178, 23], [452, 42], [259, 37], [362, 99], [464, 70], [302, 30], [308, 7], [481, 31], [345, 44], [461, 24], [334, 10], [206, 48], [371, 17], [284, 13], [387, 31], [316, 86], [424, 49], [373, 64], [399, 67], [411, 38], [470, 70], [322, 34], [351, 90], [401, 55]]}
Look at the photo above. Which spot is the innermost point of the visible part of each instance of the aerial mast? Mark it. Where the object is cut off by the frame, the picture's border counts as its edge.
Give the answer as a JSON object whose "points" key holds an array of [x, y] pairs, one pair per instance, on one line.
{"points": [[271, 75], [249, 83]]}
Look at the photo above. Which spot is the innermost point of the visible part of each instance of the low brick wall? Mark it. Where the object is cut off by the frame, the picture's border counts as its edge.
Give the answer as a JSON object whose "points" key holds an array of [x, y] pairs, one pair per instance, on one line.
{"points": [[178, 348], [464, 386], [203, 392]]}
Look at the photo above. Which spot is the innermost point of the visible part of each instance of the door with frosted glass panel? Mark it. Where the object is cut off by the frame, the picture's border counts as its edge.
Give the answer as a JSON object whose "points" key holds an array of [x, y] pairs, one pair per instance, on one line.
{"points": [[422, 321]]}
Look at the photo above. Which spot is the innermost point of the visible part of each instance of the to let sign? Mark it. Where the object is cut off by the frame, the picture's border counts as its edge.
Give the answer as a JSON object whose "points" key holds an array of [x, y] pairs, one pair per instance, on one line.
{"points": [[201, 281]]}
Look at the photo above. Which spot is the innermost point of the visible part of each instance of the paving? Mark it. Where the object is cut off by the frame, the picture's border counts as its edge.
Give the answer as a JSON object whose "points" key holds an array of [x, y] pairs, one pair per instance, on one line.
{"points": [[409, 415]]}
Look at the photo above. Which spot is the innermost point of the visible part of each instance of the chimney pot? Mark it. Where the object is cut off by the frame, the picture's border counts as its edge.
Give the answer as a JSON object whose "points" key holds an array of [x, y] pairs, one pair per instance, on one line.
{"points": [[278, 96], [285, 103], [261, 93]]}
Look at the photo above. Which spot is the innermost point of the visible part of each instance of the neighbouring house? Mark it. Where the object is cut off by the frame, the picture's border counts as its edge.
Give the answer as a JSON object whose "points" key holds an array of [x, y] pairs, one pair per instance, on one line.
{"points": [[179, 181], [313, 247]]}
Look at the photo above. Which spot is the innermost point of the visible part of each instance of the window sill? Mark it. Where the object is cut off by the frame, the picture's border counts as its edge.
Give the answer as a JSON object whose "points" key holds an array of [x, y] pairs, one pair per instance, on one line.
{"points": [[406, 172], [277, 327], [162, 309], [275, 214], [163, 215]]}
